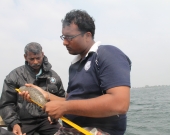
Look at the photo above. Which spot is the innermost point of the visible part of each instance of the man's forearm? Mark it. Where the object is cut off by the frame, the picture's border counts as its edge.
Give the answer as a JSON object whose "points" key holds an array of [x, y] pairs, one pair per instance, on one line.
{"points": [[95, 107], [52, 97], [115, 102]]}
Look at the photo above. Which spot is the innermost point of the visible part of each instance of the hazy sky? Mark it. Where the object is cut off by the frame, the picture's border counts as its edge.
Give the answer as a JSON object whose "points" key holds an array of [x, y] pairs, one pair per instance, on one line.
{"points": [[140, 28]]}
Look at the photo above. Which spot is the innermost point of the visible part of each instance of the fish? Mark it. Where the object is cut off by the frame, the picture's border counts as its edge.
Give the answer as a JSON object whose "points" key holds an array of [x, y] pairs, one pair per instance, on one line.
{"points": [[36, 96]]}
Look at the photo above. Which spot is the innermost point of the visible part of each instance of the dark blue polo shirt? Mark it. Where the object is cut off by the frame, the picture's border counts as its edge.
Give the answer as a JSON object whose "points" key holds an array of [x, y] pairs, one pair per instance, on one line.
{"points": [[104, 67]]}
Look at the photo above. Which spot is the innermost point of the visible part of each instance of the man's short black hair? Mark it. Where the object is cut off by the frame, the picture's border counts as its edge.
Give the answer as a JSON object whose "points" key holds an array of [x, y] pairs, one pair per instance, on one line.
{"points": [[82, 19]]}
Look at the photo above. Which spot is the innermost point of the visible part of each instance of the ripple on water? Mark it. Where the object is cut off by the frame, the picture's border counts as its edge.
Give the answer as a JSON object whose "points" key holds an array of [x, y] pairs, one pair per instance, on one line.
{"points": [[149, 112]]}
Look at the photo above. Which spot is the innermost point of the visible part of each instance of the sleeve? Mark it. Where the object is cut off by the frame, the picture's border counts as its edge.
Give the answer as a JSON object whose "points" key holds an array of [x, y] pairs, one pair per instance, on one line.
{"points": [[8, 102], [114, 68]]}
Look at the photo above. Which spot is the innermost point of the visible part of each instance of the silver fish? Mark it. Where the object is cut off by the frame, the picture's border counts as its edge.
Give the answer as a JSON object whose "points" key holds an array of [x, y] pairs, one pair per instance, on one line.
{"points": [[35, 95]]}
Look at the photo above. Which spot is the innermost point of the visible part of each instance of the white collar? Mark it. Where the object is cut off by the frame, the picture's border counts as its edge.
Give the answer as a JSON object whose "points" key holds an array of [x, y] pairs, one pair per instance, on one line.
{"points": [[92, 49], [40, 72]]}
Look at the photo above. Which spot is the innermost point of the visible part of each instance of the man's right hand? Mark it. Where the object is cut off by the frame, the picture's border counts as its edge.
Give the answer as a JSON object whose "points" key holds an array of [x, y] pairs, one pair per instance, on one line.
{"points": [[17, 130]]}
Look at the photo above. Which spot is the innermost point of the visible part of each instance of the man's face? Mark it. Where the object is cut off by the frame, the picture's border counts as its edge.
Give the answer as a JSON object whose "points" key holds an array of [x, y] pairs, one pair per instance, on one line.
{"points": [[75, 40], [34, 60]]}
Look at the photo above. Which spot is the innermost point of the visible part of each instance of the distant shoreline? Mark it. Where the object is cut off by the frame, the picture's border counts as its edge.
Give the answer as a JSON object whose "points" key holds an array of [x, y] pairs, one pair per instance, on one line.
{"points": [[153, 87]]}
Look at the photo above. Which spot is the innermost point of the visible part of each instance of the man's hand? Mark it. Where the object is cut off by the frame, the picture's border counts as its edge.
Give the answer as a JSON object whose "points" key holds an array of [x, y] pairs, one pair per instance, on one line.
{"points": [[51, 120], [17, 130], [55, 109]]}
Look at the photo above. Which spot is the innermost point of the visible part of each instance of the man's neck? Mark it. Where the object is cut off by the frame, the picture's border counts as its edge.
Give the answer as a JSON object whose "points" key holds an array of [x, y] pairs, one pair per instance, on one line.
{"points": [[36, 71], [87, 50]]}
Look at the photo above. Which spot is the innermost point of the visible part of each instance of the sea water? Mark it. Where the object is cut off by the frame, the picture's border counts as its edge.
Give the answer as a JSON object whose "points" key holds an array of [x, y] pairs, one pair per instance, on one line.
{"points": [[149, 112]]}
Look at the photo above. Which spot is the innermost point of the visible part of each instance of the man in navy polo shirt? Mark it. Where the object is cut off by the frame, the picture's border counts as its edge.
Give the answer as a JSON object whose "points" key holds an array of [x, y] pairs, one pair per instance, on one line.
{"points": [[98, 92], [99, 77]]}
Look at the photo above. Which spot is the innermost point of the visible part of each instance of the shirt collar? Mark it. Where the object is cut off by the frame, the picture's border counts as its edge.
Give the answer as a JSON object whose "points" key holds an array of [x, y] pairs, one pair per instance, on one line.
{"points": [[37, 75], [92, 49]]}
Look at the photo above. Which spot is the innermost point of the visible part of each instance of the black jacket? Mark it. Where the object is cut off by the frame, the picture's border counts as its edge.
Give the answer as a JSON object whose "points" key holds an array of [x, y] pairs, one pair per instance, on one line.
{"points": [[13, 108]]}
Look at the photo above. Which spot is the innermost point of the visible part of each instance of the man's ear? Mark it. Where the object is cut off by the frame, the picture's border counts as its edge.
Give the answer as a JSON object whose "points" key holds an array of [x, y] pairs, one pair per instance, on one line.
{"points": [[43, 54], [25, 56], [88, 36]]}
